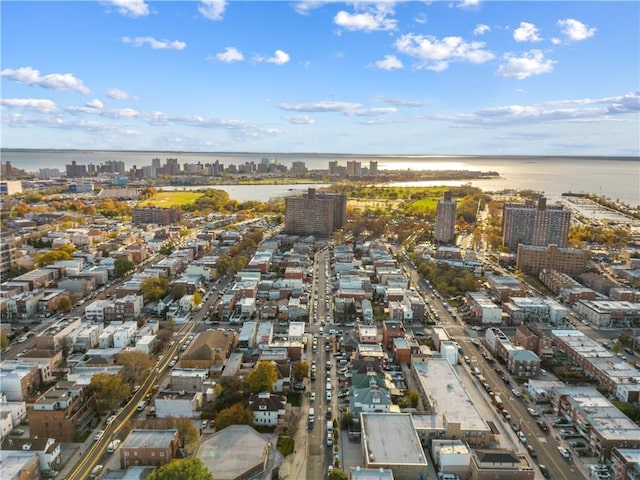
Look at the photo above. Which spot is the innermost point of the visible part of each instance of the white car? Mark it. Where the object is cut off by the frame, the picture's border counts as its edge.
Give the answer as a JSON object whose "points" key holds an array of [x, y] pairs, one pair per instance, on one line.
{"points": [[328, 396], [516, 393], [312, 397]]}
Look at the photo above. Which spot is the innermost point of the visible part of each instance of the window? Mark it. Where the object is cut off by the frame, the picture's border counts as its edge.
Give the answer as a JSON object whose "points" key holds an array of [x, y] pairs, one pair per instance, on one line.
{"points": [[162, 454]]}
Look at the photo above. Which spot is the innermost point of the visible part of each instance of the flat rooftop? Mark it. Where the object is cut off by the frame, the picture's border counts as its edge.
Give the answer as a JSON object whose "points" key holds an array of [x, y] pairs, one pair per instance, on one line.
{"points": [[149, 438], [447, 396], [391, 439]]}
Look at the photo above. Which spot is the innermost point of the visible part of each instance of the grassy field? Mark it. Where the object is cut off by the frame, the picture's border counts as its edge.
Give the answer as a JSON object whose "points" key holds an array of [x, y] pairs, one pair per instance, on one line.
{"points": [[171, 199]]}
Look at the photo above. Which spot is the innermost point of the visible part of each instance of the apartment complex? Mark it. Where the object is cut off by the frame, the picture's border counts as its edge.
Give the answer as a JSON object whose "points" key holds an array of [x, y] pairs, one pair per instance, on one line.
{"points": [[315, 213], [446, 219], [155, 215], [534, 224], [533, 259]]}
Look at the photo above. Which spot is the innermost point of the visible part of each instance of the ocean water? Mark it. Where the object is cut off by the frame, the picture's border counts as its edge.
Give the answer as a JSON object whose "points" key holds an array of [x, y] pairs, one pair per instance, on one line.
{"points": [[616, 178]]}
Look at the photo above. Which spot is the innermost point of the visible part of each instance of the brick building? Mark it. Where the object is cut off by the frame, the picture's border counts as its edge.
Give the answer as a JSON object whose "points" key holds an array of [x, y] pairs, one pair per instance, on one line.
{"points": [[149, 447]]}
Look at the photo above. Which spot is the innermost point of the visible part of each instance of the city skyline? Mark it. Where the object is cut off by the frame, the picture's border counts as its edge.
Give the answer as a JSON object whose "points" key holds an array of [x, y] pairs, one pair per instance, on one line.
{"points": [[460, 77]]}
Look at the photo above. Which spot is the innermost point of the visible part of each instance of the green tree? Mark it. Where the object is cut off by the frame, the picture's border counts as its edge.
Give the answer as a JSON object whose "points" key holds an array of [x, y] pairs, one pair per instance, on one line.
{"points": [[178, 291], [262, 377], [166, 249], [154, 288], [110, 390], [300, 370], [4, 341], [182, 469], [135, 366], [336, 474], [346, 420], [122, 266], [234, 415], [413, 398]]}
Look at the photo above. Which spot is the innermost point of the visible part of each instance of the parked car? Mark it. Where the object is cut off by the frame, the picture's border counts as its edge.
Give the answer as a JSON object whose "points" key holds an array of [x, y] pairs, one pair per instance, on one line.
{"points": [[544, 471], [312, 397], [533, 412], [565, 453], [516, 393]]}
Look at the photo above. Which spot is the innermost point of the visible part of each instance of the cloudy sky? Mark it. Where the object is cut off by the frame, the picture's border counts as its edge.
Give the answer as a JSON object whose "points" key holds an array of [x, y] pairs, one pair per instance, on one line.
{"points": [[403, 77]]}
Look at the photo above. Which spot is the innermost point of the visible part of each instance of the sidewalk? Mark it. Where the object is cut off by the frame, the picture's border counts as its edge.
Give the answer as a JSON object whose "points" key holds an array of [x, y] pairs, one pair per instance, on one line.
{"points": [[294, 465]]}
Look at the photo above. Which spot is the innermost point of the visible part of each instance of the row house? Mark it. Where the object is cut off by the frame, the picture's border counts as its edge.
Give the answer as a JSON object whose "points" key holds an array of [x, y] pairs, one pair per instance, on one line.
{"points": [[129, 306], [19, 380], [483, 309], [80, 284], [504, 287], [392, 329], [178, 404], [50, 300], [47, 450], [25, 304], [608, 313], [61, 411]]}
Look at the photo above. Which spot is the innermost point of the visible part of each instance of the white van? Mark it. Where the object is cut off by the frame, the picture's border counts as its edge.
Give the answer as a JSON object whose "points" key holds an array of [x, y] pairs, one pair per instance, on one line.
{"points": [[330, 427], [113, 446], [312, 414]]}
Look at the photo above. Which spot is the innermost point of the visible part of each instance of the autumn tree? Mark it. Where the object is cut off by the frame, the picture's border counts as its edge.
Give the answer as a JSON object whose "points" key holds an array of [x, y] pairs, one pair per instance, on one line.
{"points": [[4, 341], [135, 366], [234, 415], [110, 391], [64, 305], [182, 469], [413, 397], [122, 266], [197, 298], [300, 370], [154, 288], [336, 474], [262, 377]]}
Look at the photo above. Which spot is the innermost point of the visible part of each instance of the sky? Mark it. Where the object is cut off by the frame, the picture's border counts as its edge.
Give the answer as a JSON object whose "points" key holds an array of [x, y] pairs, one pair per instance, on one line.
{"points": [[466, 77]]}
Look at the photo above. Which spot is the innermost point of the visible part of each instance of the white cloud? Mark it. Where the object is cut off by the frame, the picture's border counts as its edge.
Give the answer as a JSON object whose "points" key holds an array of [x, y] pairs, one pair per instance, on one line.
{"points": [[526, 32], [390, 62], [230, 54], [41, 105], [129, 8], [583, 110], [279, 58], [370, 17], [320, 107], [54, 81], [530, 63], [121, 113], [421, 18], [346, 108], [401, 102], [468, 3], [154, 43], [481, 29], [435, 54], [117, 94], [575, 31], [303, 7], [300, 120], [212, 9], [97, 104]]}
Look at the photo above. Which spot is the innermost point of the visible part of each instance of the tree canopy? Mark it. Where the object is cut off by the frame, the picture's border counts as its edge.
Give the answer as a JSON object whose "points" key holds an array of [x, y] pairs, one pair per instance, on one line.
{"points": [[154, 288], [234, 415], [262, 377], [110, 390], [122, 266], [337, 474], [300, 370], [182, 469], [135, 366]]}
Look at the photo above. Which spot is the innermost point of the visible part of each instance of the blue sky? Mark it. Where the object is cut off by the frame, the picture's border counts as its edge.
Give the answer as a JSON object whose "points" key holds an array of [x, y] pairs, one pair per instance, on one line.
{"points": [[415, 77]]}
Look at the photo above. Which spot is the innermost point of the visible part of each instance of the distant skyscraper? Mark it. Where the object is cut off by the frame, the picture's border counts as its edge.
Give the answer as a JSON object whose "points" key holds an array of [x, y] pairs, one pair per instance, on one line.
{"points": [[74, 170], [354, 168], [373, 167], [446, 219], [531, 224], [155, 163], [315, 213], [299, 168]]}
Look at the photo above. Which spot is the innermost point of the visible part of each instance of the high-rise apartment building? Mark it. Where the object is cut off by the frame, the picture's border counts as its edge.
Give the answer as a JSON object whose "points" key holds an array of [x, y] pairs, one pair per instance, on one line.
{"points": [[373, 168], [534, 224], [315, 213], [354, 168], [74, 170], [446, 219]]}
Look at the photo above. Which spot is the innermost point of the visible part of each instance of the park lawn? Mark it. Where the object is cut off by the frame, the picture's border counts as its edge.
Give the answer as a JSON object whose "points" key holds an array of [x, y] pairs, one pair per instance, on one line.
{"points": [[165, 199], [424, 205]]}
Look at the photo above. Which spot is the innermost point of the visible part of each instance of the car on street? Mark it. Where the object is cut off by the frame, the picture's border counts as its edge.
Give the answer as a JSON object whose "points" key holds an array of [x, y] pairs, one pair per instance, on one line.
{"points": [[205, 423], [544, 471], [516, 393], [565, 453], [312, 397], [98, 435], [533, 412], [522, 437]]}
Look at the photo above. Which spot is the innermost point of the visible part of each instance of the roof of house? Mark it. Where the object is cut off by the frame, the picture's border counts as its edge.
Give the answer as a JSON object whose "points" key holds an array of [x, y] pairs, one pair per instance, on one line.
{"points": [[270, 402], [496, 456], [208, 344]]}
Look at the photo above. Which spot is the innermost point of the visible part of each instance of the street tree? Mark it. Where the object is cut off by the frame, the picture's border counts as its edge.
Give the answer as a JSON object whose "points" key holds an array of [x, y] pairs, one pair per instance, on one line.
{"points": [[135, 366], [122, 266], [182, 469], [336, 474], [300, 370], [64, 305], [154, 288], [262, 377], [110, 391], [197, 298], [234, 415], [4, 341]]}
